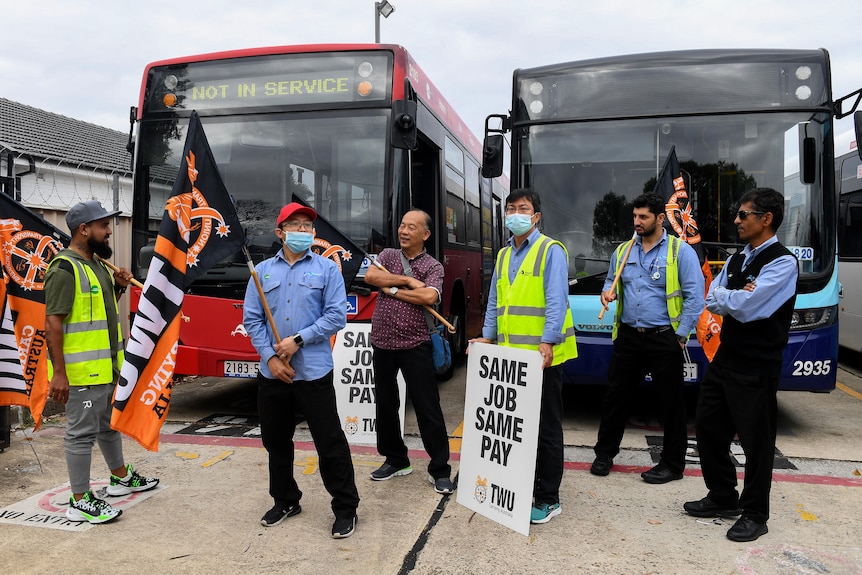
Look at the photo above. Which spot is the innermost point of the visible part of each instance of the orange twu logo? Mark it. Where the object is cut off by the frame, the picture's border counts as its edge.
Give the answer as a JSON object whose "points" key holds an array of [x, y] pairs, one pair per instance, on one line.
{"points": [[334, 252], [26, 254], [681, 218], [192, 213]]}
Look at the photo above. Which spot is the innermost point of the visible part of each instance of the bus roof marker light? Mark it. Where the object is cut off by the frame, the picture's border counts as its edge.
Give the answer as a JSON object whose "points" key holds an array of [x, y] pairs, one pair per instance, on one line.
{"points": [[803, 73], [536, 88], [170, 81], [536, 106], [803, 92], [365, 69], [364, 88], [169, 100]]}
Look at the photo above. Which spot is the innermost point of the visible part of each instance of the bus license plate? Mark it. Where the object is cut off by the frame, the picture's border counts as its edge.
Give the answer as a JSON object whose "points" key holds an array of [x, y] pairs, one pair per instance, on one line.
{"points": [[241, 368], [689, 371]]}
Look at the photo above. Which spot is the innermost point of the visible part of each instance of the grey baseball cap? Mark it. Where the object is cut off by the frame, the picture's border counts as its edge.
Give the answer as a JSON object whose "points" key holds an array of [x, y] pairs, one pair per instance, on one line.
{"points": [[86, 212]]}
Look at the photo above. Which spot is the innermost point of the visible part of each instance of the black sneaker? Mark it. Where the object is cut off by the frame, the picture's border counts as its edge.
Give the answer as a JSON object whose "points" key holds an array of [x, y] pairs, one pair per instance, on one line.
{"points": [[442, 485], [387, 471], [279, 513], [343, 528]]}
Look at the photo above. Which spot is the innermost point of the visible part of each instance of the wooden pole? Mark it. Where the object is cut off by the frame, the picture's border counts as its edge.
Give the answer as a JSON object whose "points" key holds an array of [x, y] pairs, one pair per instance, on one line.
{"points": [[430, 309], [619, 273]]}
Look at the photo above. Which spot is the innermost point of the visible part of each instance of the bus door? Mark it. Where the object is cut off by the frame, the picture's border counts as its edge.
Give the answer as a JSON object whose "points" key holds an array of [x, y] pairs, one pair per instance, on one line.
{"points": [[424, 190]]}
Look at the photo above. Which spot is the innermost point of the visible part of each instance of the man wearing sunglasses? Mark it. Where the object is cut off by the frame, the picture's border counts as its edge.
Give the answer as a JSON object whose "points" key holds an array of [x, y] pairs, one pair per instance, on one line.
{"points": [[755, 294]]}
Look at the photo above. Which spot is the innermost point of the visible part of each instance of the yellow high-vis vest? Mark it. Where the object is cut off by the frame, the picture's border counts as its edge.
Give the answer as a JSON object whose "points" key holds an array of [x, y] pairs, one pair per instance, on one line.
{"points": [[521, 304], [673, 290], [86, 340]]}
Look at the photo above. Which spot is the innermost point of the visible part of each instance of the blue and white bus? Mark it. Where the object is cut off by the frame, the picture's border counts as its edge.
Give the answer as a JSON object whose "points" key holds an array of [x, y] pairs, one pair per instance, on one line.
{"points": [[590, 136], [848, 177]]}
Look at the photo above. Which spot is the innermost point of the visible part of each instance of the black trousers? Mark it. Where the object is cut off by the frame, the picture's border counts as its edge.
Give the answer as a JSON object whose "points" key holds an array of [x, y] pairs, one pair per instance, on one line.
{"points": [[636, 354], [278, 403], [549, 454], [417, 366], [735, 403]]}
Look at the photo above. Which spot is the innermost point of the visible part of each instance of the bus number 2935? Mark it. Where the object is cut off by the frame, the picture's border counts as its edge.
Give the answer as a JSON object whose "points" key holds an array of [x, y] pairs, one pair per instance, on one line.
{"points": [[803, 368]]}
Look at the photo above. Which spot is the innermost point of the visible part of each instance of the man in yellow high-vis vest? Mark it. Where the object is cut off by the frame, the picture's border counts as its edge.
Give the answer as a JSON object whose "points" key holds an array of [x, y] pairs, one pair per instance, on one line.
{"points": [[659, 300], [528, 308], [85, 347]]}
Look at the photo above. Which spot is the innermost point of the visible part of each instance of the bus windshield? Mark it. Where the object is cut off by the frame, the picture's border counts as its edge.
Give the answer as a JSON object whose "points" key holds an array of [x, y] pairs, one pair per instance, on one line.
{"points": [[589, 172], [333, 160]]}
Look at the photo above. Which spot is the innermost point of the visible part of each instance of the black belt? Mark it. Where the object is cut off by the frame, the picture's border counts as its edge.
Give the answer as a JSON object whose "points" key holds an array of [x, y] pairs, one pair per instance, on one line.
{"points": [[649, 329]]}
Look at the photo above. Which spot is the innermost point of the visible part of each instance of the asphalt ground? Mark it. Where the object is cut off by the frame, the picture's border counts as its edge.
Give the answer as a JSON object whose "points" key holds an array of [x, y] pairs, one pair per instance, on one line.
{"points": [[204, 518]]}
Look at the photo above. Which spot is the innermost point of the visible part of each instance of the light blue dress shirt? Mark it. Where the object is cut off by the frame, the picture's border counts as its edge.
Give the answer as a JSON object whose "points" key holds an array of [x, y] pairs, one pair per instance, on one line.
{"points": [[645, 286], [556, 283], [307, 298], [775, 284]]}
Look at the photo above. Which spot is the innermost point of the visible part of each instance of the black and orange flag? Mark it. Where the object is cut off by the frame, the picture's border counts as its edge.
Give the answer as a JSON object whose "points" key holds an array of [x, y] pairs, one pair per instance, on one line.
{"points": [[27, 244], [330, 243], [199, 228], [671, 186]]}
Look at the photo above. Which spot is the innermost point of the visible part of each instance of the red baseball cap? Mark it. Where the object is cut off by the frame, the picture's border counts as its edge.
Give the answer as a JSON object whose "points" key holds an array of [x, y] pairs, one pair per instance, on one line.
{"points": [[294, 208]]}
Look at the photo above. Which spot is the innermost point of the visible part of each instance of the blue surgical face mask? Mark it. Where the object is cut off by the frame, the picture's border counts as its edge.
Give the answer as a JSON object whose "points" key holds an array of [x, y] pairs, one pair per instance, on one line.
{"points": [[298, 242], [519, 224]]}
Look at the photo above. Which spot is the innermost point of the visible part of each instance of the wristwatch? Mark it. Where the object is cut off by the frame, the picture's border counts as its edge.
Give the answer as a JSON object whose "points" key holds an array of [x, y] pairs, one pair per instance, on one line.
{"points": [[297, 339], [393, 290]]}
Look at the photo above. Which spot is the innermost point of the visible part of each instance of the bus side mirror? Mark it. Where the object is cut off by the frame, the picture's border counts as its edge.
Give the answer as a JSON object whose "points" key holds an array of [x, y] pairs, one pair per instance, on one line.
{"points": [[403, 132], [857, 120], [809, 161], [492, 156]]}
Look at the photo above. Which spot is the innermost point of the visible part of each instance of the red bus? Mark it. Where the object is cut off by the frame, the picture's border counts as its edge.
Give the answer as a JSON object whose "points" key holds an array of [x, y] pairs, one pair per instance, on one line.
{"points": [[358, 131]]}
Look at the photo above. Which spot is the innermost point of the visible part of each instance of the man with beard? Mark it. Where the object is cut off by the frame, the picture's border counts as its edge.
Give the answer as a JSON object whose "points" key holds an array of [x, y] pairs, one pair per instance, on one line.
{"points": [[85, 347], [659, 298]]}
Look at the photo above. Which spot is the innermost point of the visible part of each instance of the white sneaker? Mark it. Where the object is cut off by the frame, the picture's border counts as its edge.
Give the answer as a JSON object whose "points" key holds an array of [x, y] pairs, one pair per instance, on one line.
{"points": [[132, 483], [91, 509]]}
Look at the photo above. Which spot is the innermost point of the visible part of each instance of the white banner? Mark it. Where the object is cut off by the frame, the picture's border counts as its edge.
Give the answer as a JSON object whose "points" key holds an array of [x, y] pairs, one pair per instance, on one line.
{"points": [[501, 433], [354, 384]]}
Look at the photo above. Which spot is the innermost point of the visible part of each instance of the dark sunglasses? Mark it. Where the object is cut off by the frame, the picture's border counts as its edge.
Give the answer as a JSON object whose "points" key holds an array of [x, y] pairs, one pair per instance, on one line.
{"points": [[742, 214]]}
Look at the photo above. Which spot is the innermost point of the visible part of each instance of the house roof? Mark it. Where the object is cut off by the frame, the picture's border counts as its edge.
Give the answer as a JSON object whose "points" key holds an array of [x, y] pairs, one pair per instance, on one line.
{"points": [[48, 136]]}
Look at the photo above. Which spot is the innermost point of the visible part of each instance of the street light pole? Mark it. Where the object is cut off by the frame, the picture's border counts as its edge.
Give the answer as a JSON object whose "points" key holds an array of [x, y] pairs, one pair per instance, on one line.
{"points": [[383, 8]]}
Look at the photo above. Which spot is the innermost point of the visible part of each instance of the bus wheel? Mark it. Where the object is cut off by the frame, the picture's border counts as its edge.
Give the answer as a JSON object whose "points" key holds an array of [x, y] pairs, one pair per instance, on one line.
{"points": [[458, 340]]}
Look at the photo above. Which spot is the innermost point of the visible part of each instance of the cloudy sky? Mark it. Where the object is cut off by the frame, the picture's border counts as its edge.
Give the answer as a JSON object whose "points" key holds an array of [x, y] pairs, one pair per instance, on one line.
{"points": [[85, 59]]}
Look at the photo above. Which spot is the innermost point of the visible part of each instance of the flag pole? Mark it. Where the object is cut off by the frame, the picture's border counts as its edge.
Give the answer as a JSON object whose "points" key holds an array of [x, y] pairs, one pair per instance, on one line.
{"points": [[269, 317], [132, 281], [430, 309], [622, 265]]}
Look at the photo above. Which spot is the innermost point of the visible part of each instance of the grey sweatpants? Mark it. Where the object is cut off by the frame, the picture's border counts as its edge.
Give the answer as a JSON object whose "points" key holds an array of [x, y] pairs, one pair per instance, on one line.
{"points": [[88, 419]]}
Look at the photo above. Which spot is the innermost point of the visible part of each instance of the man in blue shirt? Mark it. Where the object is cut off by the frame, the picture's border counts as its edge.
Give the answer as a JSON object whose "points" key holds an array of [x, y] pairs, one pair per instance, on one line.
{"points": [[659, 299], [305, 293], [532, 270], [755, 294]]}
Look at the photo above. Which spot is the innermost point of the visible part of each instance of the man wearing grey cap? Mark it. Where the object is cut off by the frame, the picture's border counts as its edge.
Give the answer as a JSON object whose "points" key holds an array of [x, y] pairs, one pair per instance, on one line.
{"points": [[85, 347]]}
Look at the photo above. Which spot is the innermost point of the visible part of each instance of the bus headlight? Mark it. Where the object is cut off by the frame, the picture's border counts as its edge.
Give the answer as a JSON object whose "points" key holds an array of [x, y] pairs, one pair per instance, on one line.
{"points": [[813, 318], [365, 69], [803, 92], [364, 88]]}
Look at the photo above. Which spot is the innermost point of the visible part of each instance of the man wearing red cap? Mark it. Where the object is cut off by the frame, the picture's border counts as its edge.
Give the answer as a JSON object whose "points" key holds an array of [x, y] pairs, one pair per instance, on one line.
{"points": [[305, 293]]}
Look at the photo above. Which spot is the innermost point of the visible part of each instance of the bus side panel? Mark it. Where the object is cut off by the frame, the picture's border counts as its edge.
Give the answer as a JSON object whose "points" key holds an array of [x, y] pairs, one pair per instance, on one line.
{"points": [[465, 267], [811, 360]]}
